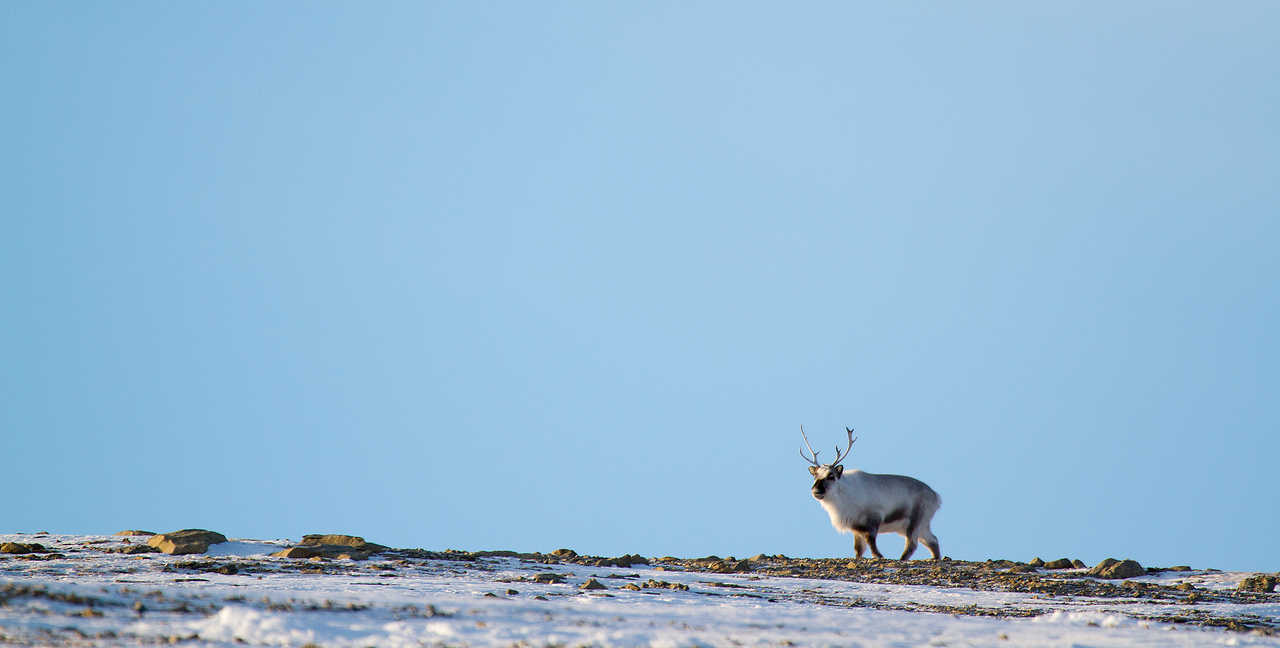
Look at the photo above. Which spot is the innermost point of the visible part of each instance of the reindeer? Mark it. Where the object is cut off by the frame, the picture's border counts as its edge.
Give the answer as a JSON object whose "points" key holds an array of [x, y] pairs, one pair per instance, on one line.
{"points": [[866, 504]]}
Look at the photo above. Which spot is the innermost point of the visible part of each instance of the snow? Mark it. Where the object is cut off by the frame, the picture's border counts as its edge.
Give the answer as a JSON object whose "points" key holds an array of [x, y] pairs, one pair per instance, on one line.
{"points": [[246, 548], [456, 603]]}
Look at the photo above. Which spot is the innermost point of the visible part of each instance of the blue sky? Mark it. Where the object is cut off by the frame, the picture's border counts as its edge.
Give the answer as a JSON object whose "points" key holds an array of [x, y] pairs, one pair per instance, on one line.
{"points": [[532, 275]]}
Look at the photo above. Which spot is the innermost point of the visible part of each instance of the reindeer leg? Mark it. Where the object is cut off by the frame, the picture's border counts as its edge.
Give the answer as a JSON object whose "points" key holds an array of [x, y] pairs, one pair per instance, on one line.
{"points": [[913, 529], [859, 545], [868, 529], [872, 530], [871, 541], [931, 541], [909, 549]]}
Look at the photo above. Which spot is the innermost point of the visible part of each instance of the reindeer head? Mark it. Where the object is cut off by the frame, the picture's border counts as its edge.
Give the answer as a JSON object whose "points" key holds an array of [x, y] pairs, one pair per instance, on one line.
{"points": [[825, 474]]}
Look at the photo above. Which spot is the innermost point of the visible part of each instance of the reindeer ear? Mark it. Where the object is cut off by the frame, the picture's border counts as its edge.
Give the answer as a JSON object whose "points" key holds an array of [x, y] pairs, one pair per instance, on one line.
{"points": [[839, 471], [813, 470]]}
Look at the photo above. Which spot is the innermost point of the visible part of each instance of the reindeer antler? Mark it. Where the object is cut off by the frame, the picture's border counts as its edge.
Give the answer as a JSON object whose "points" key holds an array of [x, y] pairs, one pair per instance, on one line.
{"points": [[814, 459], [840, 457]]}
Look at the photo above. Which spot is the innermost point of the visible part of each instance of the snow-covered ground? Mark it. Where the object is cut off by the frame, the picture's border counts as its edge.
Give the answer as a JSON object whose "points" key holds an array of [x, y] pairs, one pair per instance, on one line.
{"points": [[91, 597]]}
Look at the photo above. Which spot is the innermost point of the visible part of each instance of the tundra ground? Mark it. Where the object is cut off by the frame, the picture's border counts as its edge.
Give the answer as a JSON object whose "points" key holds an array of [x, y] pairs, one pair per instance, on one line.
{"points": [[105, 590]]}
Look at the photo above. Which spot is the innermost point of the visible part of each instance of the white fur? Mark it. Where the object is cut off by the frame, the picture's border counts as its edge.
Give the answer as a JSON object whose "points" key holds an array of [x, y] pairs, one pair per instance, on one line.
{"points": [[854, 497]]}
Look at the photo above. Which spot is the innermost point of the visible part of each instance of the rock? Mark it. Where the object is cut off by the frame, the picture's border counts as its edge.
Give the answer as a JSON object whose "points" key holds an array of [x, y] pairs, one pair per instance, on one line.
{"points": [[1124, 569], [339, 552], [1180, 568], [496, 553], [135, 532], [297, 552], [1078, 564], [1106, 562], [316, 546], [1259, 583], [548, 578], [621, 561], [1112, 568], [340, 540], [186, 541], [592, 584], [1036, 562], [134, 549], [22, 548], [665, 585], [333, 539], [565, 553], [730, 566], [1061, 563]]}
